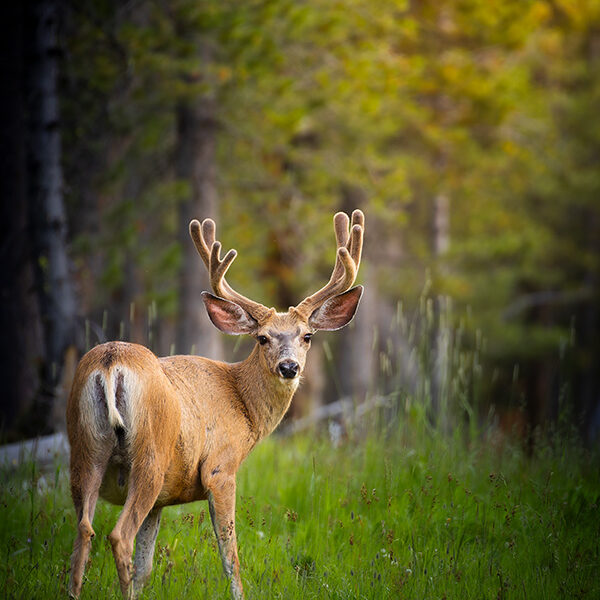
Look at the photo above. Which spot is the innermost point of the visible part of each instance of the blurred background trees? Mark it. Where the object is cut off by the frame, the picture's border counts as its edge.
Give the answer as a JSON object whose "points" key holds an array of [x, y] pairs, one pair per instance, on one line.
{"points": [[467, 131]]}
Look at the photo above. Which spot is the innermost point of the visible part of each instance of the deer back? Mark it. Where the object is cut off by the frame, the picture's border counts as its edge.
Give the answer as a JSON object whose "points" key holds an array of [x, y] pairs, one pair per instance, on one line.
{"points": [[173, 412]]}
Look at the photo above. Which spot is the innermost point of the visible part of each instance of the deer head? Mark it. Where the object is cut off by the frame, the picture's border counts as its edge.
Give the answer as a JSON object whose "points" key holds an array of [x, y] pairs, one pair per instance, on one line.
{"points": [[283, 338]]}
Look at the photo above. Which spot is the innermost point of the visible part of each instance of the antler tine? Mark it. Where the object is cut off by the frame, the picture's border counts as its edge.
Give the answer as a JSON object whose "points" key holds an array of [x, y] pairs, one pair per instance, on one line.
{"points": [[199, 237], [349, 250], [218, 268], [209, 230], [340, 228], [204, 237], [356, 243]]}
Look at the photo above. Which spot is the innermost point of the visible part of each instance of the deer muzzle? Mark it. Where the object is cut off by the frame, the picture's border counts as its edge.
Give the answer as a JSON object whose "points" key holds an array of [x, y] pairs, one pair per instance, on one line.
{"points": [[288, 369]]}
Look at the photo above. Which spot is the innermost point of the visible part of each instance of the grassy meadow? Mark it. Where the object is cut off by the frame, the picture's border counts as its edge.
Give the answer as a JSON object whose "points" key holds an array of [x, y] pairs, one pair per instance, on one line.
{"points": [[397, 511]]}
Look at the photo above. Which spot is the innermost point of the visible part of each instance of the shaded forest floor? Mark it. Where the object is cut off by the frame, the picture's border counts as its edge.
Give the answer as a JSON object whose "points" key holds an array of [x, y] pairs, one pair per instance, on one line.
{"points": [[401, 513]]}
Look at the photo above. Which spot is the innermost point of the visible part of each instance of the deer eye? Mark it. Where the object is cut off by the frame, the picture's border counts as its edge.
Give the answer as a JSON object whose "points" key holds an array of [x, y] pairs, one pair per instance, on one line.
{"points": [[262, 339], [308, 337]]}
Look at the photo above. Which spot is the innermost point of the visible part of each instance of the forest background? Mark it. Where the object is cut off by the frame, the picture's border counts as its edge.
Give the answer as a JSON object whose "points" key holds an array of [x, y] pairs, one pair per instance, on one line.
{"points": [[467, 131]]}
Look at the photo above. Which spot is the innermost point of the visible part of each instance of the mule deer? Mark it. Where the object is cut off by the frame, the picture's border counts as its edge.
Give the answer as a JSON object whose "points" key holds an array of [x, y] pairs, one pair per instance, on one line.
{"points": [[148, 432]]}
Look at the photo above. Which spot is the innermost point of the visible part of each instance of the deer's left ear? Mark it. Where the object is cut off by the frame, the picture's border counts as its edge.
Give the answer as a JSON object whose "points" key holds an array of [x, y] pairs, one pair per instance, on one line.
{"points": [[228, 316], [336, 312]]}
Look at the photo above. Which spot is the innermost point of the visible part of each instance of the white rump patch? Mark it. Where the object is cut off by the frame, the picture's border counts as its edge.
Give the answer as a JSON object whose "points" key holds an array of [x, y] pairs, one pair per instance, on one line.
{"points": [[108, 400]]}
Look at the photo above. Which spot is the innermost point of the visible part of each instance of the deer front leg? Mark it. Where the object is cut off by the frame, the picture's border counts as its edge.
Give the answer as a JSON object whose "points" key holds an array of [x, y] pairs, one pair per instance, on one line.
{"points": [[221, 504]]}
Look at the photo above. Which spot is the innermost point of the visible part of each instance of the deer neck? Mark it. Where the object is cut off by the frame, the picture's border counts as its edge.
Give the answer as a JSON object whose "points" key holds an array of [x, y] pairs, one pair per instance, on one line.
{"points": [[265, 395]]}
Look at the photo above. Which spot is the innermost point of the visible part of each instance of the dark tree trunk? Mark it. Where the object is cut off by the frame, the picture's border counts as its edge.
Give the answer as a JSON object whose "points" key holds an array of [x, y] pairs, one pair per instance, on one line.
{"points": [[20, 342], [195, 163], [590, 378], [47, 212], [283, 259]]}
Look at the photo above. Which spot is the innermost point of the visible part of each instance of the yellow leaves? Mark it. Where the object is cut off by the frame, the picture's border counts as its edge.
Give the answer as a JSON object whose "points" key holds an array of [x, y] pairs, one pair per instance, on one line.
{"points": [[411, 29], [583, 14], [451, 73], [224, 74], [510, 148], [540, 12], [550, 42]]}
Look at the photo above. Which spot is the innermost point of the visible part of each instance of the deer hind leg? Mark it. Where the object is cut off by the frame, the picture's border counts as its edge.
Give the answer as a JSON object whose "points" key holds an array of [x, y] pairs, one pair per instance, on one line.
{"points": [[221, 504], [144, 486], [85, 485], [145, 542]]}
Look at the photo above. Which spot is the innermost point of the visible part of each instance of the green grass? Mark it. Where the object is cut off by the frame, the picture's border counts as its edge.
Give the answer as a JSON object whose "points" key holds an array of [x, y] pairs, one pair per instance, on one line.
{"points": [[384, 515]]}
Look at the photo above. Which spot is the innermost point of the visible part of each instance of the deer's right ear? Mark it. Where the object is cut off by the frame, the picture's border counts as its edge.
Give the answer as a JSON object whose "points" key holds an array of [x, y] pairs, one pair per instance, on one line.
{"points": [[228, 316]]}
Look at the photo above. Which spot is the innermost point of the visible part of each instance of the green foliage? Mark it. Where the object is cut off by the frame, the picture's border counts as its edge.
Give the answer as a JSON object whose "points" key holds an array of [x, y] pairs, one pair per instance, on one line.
{"points": [[325, 105]]}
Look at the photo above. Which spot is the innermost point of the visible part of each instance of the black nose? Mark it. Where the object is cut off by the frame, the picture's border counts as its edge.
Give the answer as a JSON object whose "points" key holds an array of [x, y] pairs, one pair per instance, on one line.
{"points": [[288, 369]]}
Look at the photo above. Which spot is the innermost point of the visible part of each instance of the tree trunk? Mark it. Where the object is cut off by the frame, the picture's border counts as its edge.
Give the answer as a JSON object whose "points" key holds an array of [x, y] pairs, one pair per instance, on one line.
{"points": [[590, 379], [195, 163], [47, 211], [282, 262], [20, 342], [355, 358], [440, 332]]}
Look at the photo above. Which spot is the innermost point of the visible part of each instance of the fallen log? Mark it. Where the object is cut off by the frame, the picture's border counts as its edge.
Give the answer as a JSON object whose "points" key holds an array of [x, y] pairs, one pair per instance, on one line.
{"points": [[44, 451]]}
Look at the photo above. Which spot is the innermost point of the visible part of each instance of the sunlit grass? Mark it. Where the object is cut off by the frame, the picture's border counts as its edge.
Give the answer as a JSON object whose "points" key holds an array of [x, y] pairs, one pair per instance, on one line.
{"points": [[390, 514]]}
